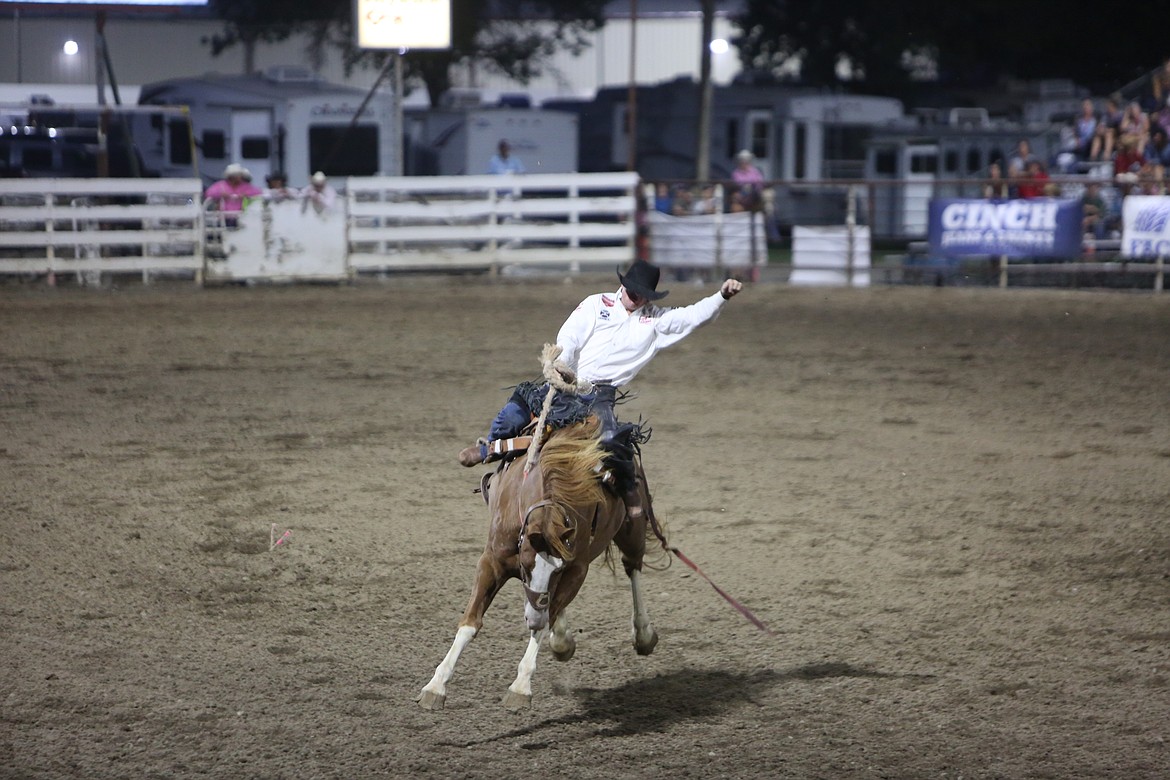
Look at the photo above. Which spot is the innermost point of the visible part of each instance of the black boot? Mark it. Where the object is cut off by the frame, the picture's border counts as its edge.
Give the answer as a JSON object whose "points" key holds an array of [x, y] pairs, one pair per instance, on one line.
{"points": [[621, 454]]}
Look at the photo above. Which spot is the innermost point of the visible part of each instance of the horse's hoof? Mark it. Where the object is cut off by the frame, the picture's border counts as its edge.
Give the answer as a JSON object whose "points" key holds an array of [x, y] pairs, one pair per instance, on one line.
{"points": [[565, 653], [517, 701], [430, 700], [644, 645]]}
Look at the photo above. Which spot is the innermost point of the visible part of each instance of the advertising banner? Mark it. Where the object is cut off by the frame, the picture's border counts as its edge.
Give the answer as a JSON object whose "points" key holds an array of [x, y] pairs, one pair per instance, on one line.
{"points": [[1146, 231], [1036, 227]]}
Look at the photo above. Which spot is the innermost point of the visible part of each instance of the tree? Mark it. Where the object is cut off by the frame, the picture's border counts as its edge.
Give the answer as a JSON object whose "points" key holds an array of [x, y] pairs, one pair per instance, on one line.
{"points": [[516, 38], [872, 46], [830, 42]]}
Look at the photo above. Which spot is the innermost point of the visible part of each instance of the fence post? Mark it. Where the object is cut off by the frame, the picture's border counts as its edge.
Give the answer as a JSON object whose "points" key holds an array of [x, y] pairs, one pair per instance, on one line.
{"points": [[50, 251], [1158, 275], [850, 233], [1003, 263]]}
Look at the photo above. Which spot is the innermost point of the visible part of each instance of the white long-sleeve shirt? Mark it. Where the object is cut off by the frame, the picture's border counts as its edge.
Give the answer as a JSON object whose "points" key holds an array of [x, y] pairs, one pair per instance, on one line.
{"points": [[605, 343]]}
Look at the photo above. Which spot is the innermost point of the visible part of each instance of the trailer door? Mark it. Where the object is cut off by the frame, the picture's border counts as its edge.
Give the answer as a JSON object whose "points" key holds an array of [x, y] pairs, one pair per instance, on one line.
{"points": [[760, 141], [252, 142], [921, 169]]}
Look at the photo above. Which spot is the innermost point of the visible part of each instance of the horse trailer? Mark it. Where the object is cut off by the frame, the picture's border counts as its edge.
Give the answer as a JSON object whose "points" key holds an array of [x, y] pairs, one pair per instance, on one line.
{"points": [[285, 119]]}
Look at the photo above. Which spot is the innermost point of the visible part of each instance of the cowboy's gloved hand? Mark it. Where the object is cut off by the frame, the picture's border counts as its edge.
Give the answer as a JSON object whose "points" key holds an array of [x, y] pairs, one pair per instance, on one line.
{"points": [[730, 288]]}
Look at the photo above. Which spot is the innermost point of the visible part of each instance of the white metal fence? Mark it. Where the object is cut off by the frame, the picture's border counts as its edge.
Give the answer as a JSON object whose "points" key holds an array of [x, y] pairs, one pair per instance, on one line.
{"points": [[93, 226], [398, 223]]}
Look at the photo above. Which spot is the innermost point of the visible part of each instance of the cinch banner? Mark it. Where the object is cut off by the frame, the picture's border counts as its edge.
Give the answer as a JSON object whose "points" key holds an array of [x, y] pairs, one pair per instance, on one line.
{"points": [[1036, 227], [1147, 226]]}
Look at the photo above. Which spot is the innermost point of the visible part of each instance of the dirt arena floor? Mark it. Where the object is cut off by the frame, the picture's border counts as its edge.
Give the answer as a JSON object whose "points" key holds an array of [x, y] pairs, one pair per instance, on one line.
{"points": [[950, 506]]}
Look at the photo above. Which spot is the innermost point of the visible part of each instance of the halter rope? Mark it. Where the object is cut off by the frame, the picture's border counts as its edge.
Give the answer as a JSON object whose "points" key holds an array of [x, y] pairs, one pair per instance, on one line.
{"points": [[560, 377]]}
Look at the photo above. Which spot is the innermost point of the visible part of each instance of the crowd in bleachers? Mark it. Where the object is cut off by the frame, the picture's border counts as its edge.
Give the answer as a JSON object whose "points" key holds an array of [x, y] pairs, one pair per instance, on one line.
{"points": [[1127, 139]]}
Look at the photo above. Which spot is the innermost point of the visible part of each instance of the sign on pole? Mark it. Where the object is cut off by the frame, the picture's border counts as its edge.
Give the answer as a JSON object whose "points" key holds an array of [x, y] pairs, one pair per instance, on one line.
{"points": [[403, 24]]}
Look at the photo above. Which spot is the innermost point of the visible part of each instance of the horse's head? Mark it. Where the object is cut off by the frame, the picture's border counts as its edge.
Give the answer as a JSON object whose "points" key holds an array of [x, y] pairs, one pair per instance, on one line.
{"points": [[558, 500]]}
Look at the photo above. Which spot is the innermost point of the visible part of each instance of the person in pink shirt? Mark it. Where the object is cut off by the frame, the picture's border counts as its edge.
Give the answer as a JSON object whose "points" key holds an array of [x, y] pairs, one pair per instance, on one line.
{"points": [[231, 193], [749, 182]]}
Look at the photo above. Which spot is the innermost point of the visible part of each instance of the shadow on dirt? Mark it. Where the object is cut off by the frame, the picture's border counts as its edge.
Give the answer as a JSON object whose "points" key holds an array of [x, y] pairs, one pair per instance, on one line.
{"points": [[655, 704]]}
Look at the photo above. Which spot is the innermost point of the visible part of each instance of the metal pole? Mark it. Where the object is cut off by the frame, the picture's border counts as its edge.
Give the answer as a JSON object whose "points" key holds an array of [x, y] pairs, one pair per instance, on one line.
{"points": [[399, 170], [632, 95], [19, 53], [850, 234]]}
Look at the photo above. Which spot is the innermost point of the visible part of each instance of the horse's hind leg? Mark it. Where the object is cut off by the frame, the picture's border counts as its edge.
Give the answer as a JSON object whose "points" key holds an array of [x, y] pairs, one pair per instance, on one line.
{"points": [[631, 541], [645, 637]]}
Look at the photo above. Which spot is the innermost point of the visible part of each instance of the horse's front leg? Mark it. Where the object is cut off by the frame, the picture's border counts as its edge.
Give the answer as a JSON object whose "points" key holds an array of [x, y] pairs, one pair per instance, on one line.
{"points": [[489, 578], [561, 641], [519, 695]]}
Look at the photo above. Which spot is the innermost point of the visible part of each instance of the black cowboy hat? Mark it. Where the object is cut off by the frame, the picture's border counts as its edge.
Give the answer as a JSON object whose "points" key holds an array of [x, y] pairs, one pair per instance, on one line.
{"points": [[642, 281]]}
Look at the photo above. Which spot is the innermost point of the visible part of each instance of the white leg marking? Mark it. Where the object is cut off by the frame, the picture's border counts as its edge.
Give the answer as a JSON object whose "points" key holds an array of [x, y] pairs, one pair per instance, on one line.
{"points": [[522, 685], [645, 637], [438, 683], [542, 571]]}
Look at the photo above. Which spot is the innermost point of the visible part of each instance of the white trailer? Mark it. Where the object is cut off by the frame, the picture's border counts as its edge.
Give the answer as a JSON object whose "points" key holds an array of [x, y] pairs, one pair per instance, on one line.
{"points": [[285, 119], [461, 141]]}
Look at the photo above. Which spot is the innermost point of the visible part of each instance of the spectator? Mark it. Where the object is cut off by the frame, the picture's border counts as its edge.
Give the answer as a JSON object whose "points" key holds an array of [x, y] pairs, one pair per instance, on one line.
{"points": [[1018, 162], [1135, 122], [749, 183], [1108, 126], [1157, 151], [663, 201], [232, 193], [1034, 182], [1161, 118], [320, 193], [1160, 86], [1086, 130], [706, 203], [995, 188], [1095, 210], [504, 161], [684, 203], [278, 189], [1130, 157]]}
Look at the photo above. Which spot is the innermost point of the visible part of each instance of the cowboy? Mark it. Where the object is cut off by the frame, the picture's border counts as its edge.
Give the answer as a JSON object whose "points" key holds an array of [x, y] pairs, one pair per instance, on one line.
{"points": [[234, 191], [607, 340]]}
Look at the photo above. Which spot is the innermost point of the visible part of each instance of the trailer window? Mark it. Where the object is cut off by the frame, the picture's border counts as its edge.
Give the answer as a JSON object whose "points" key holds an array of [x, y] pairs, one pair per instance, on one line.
{"points": [[924, 163], [951, 161], [179, 141], [799, 150], [214, 147], [974, 161], [343, 150], [885, 162], [254, 147], [730, 149]]}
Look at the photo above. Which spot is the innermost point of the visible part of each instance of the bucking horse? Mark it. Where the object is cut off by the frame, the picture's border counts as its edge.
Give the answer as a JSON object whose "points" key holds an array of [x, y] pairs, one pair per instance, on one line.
{"points": [[555, 508]]}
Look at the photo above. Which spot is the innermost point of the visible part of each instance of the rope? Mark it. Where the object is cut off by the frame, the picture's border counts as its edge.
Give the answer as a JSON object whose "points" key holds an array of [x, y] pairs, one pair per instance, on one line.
{"points": [[560, 377]]}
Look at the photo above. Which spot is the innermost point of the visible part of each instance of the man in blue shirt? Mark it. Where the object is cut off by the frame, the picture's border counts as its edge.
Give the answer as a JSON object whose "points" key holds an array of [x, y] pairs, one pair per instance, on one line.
{"points": [[504, 162]]}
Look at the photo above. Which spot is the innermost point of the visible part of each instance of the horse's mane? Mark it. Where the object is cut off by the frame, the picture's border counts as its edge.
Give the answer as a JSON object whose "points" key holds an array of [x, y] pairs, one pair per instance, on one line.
{"points": [[568, 463]]}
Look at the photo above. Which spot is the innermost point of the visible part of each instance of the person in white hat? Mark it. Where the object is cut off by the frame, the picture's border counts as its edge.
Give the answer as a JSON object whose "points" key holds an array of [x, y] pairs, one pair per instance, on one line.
{"points": [[231, 193], [320, 193]]}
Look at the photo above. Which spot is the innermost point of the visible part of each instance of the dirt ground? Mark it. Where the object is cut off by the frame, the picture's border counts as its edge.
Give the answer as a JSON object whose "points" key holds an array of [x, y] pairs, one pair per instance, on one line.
{"points": [[949, 505]]}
